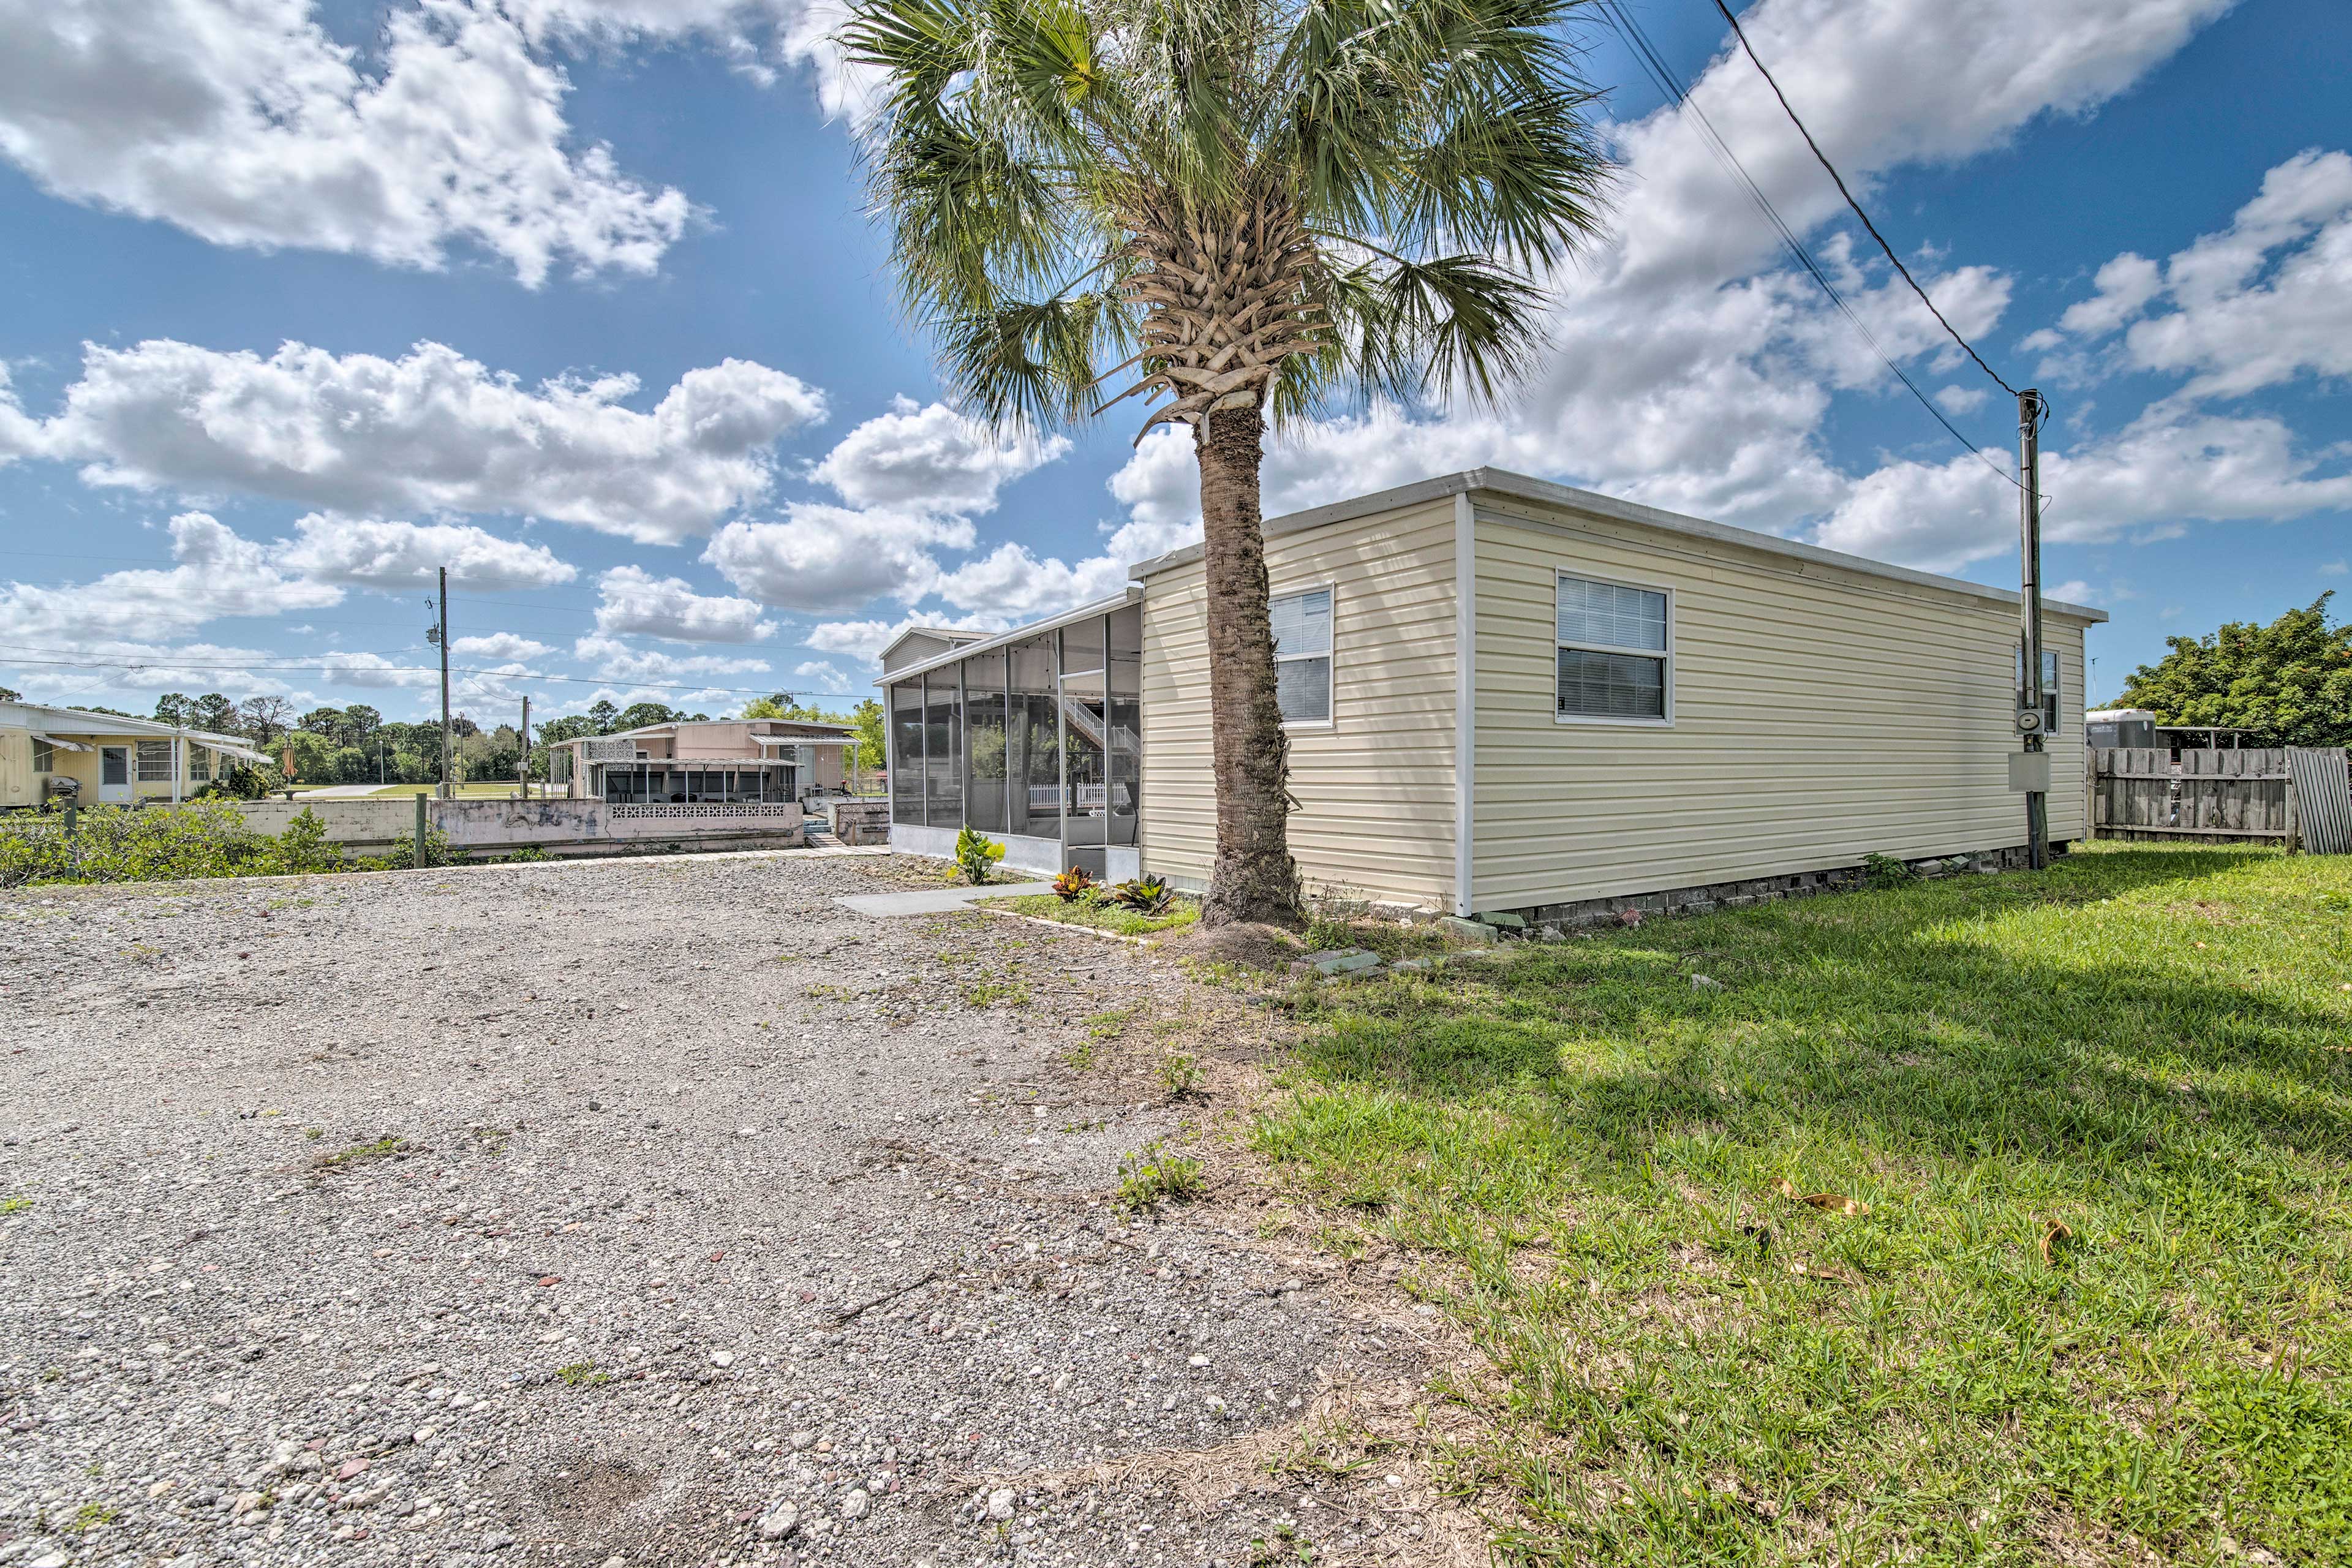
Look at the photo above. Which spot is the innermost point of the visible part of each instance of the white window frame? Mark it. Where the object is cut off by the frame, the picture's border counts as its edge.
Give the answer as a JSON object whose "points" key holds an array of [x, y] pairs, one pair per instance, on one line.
{"points": [[45, 757], [1330, 656], [1666, 721], [140, 762]]}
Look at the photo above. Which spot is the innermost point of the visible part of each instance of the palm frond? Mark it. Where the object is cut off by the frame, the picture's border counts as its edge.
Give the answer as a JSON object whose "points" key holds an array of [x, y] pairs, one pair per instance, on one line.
{"points": [[1289, 203]]}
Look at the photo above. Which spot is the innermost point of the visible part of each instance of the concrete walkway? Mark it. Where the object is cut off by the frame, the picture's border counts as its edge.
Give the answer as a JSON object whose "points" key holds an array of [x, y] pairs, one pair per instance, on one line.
{"points": [[937, 900]]}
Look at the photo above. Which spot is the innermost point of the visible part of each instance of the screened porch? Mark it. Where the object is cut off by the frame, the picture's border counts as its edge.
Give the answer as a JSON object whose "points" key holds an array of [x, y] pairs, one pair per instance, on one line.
{"points": [[1034, 738]]}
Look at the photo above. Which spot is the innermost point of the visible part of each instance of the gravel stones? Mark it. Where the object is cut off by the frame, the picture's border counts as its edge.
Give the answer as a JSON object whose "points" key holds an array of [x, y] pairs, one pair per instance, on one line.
{"points": [[351, 1270]]}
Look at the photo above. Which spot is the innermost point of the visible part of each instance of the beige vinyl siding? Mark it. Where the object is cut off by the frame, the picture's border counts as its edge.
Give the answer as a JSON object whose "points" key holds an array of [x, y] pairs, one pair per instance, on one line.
{"points": [[1376, 786], [1819, 713]]}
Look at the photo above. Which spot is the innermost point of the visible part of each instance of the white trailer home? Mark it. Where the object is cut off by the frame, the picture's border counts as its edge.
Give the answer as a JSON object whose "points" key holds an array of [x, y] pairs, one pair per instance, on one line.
{"points": [[1507, 694]]}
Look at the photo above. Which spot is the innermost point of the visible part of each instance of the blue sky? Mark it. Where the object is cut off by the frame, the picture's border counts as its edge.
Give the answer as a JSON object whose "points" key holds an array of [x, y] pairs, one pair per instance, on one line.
{"points": [[579, 296]]}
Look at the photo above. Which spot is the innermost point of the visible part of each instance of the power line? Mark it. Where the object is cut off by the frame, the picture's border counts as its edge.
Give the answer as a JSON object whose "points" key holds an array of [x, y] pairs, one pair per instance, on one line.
{"points": [[1839, 180], [1654, 66]]}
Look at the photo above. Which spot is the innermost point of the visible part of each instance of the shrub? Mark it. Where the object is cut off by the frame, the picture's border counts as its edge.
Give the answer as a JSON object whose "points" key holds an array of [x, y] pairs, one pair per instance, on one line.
{"points": [[977, 853], [203, 838], [237, 781], [1074, 883], [1144, 895], [1885, 871]]}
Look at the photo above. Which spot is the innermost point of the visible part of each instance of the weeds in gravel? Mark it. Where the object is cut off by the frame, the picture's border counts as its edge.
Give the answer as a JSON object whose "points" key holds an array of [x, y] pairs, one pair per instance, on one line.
{"points": [[1111, 1025], [93, 1516], [1283, 1549], [1153, 1172], [581, 1374], [1180, 1073], [988, 993], [1080, 1056], [2098, 1308], [357, 1153], [14, 1206]]}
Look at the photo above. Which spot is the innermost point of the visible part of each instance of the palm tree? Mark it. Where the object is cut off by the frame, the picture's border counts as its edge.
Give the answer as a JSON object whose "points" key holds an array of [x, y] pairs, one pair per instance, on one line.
{"points": [[1262, 208]]}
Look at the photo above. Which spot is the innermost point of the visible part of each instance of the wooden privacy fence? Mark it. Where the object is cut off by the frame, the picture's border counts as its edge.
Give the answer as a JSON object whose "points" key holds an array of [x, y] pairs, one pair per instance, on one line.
{"points": [[2290, 793]]}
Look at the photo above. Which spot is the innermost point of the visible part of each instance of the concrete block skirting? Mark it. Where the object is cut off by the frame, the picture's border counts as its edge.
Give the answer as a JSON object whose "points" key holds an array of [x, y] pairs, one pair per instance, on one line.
{"points": [[1754, 890]]}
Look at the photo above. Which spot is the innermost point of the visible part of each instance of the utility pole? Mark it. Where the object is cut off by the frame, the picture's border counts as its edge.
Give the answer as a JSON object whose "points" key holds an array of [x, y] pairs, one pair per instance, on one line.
{"points": [[523, 752], [2029, 719], [438, 634]]}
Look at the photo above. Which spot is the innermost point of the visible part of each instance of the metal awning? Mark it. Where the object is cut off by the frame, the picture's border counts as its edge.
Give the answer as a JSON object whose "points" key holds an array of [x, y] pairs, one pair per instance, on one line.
{"points": [[60, 745]]}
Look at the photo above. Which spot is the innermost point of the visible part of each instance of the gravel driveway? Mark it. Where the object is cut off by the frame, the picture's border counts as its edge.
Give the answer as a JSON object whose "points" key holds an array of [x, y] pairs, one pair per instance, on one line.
{"points": [[648, 1212]]}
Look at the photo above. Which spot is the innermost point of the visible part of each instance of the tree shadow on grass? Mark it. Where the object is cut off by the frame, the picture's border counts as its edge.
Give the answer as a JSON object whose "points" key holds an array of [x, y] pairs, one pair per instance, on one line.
{"points": [[1973, 1059], [1924, 1024]]}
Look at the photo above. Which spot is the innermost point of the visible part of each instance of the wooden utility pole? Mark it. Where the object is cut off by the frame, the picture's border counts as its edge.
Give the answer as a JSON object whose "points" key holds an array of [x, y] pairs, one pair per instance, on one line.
{"points": [[439, 633], [523, 752], [2031, 723]]}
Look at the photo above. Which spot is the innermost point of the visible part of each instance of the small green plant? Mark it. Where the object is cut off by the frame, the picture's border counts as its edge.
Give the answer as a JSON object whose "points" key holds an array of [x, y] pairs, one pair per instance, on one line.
{"points": [[1180, 1073], [990, 992], [1144, 895], [91, 1515], [1886, 871], [1153, 1172], [1074, 883], [581, 1374], [526, 855], [14, 1206], [977, 853], [359, 1152], [1281, 1550]]}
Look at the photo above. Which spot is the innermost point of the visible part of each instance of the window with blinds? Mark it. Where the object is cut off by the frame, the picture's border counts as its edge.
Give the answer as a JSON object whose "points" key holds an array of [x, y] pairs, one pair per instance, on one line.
{"points": [[1616, 653], [1302, 656], [155, 762]]}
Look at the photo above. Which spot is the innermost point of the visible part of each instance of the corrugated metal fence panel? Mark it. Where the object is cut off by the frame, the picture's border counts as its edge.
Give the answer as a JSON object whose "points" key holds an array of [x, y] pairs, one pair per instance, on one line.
{"points": [[2322, 798]]}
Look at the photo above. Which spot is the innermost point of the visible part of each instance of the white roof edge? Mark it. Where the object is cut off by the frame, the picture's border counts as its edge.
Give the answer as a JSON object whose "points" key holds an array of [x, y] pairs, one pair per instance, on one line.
{"points": [[672, 724], [1502, 481], [115, 725], [1127, 595]]}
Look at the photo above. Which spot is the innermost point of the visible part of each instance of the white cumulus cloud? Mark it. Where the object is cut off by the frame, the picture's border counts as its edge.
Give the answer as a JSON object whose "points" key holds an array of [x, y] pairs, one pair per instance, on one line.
{"points": [[499, 648], [430, 431], [2162, 471], [613, 659], [381, 554], [931, 459], [245, 124], [829, 558], [215, 573], [632, 600]]}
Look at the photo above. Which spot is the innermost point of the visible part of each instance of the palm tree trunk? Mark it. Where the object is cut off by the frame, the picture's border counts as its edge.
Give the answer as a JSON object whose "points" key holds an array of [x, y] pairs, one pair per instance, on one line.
{"points": [[1254, 878]]}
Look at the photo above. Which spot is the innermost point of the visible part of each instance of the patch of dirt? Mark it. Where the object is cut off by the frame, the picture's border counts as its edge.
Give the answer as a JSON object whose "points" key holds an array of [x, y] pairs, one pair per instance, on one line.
{"points": [[1358, 1455], [1246, 944]]}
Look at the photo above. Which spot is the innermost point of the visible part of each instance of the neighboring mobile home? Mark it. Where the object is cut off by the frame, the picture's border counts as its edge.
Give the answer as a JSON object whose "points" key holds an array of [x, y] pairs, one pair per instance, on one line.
{"points": [[1625, 702], [732, 761], [110, 761]]}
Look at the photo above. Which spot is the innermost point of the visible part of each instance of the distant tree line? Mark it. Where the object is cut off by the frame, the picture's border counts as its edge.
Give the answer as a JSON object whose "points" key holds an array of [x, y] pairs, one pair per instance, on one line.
{"points": [[357, 744]]}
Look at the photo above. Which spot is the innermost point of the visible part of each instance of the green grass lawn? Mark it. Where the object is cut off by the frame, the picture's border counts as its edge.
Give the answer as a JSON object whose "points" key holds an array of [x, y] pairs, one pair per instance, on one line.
{"points": [[1182, 912], [2145, 1046]]}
